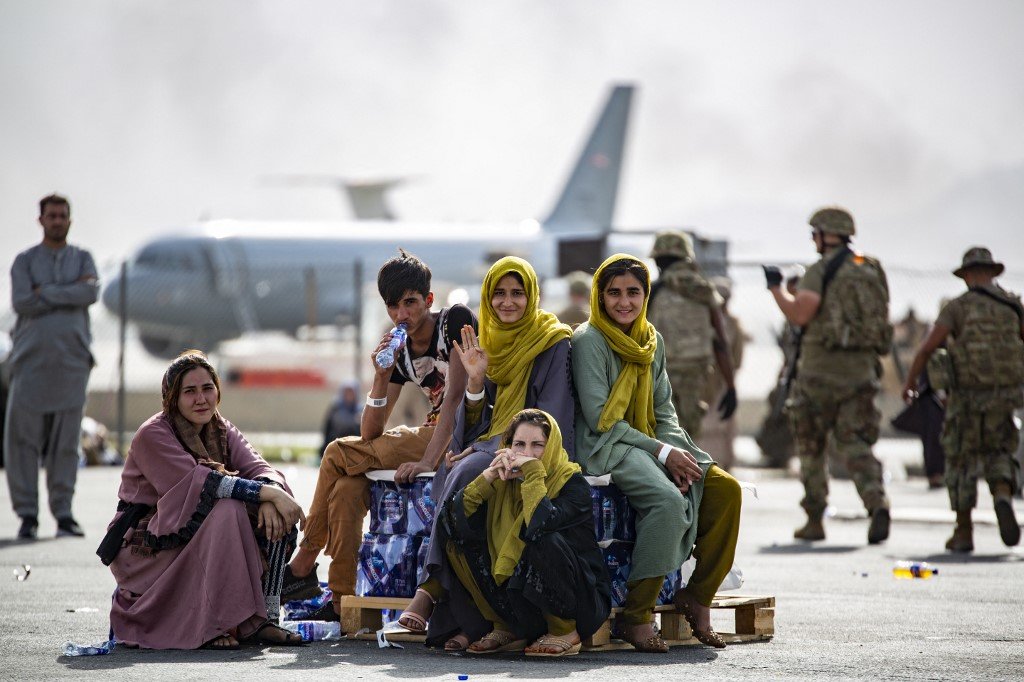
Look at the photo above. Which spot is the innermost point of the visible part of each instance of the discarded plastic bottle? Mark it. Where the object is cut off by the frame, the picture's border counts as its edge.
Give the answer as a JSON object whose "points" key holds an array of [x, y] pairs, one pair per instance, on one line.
{"points": [[98, 649], [314, 630], [386, 357], [914, 569]]}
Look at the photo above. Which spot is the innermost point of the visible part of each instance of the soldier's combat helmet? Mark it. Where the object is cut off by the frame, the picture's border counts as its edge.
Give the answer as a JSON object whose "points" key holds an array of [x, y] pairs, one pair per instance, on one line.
{"points": [[676, 243], [833, 220]]}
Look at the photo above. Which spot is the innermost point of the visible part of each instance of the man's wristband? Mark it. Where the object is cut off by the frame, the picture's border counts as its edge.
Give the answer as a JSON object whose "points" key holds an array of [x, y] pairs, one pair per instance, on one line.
{"points": [[376, 402], [475, 396], [663, 454]]}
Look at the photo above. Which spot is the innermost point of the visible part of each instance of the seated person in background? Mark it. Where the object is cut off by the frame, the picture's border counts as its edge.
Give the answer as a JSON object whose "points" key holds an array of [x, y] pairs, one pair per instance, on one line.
{"points": [[626, 426], [342, 495], [343, 415], [521, 541], [520, 360], [206, 526]]}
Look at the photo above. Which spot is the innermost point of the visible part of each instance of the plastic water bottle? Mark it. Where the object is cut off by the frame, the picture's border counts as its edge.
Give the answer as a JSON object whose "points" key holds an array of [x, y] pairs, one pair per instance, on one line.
{"points": [[314, 630], [386, 357], [608, 518], [914, 569], [98, 649]]}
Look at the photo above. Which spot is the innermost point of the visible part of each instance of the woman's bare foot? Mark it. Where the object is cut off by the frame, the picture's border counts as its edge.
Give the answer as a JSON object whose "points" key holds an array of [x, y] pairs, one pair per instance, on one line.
{"points": [[698, 616], [644, 637], [555, 645], [701, 614], [223, 642], [497, 641], [457, 642], [415, 617], [303, 561]]}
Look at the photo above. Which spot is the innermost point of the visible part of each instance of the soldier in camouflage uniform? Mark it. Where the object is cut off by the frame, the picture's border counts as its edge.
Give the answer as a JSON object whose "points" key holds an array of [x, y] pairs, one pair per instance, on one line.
{"points": [[687, 311], [985, 331], [846, 329], [578, 310], [719, 434]]}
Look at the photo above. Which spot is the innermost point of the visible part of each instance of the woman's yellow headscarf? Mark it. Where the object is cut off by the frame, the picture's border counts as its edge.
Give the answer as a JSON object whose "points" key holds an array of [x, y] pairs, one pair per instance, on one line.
{"points": [[506, 512], [632, 395], [512, 348]]}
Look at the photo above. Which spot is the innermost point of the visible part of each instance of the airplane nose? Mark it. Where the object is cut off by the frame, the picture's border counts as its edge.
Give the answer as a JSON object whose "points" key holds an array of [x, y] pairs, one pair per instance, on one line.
{"points": [[112, 295]]}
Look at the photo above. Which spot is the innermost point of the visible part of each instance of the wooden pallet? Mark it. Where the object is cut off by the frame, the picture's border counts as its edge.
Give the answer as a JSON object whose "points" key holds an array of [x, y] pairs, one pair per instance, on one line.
{"points": [[755, 622]]}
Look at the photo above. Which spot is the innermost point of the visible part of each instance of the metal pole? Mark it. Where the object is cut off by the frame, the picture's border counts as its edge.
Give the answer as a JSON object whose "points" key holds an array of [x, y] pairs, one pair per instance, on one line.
{"points": [[311, 303], [123, 313], [357, 275]]}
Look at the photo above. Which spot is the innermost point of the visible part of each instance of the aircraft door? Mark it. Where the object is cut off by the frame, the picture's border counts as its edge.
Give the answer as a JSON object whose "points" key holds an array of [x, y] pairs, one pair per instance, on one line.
{"points": [[231, 280]]}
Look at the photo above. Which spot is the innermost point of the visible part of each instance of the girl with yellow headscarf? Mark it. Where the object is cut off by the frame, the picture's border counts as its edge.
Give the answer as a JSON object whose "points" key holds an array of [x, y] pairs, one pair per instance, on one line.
{"points": [[521, 541], [519, 360], [626, 426]]}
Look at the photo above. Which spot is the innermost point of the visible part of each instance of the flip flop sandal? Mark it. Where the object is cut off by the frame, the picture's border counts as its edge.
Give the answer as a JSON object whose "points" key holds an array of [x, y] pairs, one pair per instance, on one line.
{"points": [[259, 637], [563, 647], [213, 646], [506, 643], [707, 637]]}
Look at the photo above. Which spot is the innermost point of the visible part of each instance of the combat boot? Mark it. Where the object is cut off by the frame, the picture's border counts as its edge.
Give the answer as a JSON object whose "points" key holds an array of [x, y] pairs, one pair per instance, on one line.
{"points": [[812, 530], [1009, 529], [878, 531], [962, 539]]}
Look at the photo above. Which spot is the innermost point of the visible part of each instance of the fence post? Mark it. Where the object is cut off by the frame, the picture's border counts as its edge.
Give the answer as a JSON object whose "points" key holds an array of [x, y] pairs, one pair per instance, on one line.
{"points": [[357, 274], [123, 315]]}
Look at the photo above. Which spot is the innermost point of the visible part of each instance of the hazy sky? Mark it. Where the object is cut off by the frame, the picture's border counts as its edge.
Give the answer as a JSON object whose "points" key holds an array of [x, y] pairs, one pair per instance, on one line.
{"points": [[749, 115]]}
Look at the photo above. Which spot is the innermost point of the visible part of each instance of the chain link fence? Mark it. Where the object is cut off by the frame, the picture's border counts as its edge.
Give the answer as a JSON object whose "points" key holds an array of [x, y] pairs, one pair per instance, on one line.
{"points": [[285, 337]]}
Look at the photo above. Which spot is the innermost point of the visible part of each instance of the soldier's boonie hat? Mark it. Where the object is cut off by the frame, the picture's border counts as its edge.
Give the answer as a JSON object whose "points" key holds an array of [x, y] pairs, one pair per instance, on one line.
{"points": [[978, 257], [579, 283], [676, 243], [833, 220]]}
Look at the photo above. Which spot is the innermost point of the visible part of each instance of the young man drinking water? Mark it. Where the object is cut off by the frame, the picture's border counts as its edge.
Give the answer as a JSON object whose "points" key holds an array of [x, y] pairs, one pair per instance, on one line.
{"points": [[335, 518]]}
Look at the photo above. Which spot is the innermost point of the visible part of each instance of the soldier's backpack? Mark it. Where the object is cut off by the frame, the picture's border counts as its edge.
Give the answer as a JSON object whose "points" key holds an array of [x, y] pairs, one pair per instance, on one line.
{"points": [[684, 322], [989, 351], [854, 312]]}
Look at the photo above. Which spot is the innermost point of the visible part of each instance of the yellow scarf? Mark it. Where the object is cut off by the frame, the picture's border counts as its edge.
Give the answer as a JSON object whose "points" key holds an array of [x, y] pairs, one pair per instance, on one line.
{"points": [[512, 348], [632, 395], [506, 513]]}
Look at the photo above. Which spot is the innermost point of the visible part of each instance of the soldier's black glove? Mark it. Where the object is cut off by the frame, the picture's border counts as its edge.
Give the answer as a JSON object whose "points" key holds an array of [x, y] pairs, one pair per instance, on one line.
{"points": [[773, 275], [727, 405]]}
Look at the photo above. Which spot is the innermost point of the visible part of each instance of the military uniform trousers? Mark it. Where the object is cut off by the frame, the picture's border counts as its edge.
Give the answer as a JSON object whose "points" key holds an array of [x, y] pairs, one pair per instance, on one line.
{"points": [[979, 433], [819, 407], [334, 522], [688, 385], [50, 437]]}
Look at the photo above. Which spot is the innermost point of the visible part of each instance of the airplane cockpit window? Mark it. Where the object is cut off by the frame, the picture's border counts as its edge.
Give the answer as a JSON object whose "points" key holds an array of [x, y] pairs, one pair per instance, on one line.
{"points": [[167, 257]]}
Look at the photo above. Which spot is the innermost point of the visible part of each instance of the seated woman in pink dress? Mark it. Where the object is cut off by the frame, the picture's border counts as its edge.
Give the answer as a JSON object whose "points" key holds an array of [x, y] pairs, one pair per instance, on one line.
{"points": [[204, 527]]}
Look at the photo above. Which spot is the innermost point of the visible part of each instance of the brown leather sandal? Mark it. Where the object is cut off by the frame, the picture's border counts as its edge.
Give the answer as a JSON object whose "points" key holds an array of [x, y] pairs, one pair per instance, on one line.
{"points": [[707, 637], [651, 645]]}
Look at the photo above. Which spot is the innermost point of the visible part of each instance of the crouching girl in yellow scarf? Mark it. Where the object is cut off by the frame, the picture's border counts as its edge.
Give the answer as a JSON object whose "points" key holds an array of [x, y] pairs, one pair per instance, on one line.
{"points": [[521, 541], [520, 360], [627, 426]]}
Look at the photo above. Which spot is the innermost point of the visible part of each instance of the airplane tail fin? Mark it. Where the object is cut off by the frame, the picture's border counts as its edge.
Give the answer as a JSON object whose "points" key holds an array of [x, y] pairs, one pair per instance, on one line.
{"points": [[588, 200]]}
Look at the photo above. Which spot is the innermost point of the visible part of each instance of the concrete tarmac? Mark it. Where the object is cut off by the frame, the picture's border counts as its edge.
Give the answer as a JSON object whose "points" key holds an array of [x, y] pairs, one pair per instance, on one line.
{"points": [[840, 614]]}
